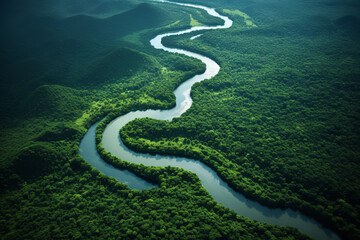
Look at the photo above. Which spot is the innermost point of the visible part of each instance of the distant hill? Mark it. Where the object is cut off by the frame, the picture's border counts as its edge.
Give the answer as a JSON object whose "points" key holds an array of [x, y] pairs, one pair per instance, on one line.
{"points": [[75, 63], [110, 7], [71, 63], [110, 67], [141, 17], [61, 62], [74, 52], [28, 30], [117, 64]]}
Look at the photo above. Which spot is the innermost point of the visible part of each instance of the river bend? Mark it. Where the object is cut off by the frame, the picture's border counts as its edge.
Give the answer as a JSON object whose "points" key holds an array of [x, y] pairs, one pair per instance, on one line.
{"points": [[219, 189]]}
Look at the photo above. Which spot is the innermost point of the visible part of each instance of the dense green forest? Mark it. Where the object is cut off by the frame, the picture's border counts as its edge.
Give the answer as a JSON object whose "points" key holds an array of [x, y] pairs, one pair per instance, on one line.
{"points": [[65, 65], [280, 123]]}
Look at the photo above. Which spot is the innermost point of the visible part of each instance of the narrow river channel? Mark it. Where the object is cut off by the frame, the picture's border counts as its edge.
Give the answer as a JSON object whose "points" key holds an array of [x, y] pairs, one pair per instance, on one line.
{"points": [[219, 189]]}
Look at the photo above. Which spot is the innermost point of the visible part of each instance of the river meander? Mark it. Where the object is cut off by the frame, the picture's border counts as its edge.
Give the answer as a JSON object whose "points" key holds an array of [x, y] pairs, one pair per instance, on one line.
{"points": [[219, 189]]}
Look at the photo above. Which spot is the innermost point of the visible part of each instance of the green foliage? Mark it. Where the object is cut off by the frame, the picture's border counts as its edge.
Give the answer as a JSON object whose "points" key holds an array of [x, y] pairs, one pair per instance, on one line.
{"points": [[49, 99], [79, 202], [60, 131], [118, 64], [280, 123], [76, 52], [34, 160], [47, 191]]}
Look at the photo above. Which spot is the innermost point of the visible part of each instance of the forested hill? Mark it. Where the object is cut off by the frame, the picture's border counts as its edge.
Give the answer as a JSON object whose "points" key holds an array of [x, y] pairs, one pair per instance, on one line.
{"points": [[77, 51], [34, 29]]}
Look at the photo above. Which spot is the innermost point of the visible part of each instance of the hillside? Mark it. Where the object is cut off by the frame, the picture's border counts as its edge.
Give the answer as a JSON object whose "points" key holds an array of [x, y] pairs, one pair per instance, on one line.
{"points": [[70, 63], [52, 99], [75, 51], [26, 30], [119, 64], [87, 27]]}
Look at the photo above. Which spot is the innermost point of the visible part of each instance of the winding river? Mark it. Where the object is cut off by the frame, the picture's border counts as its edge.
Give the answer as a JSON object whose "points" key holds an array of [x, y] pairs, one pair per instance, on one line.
{"points": [[219, 189]]}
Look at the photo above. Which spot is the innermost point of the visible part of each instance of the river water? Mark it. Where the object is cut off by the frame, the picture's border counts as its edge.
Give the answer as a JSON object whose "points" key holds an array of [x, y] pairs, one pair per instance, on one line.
{"points": [[219, 189]]}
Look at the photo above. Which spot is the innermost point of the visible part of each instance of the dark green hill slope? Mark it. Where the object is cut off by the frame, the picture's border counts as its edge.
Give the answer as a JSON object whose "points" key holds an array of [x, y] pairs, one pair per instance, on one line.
{"points": [[117, 64], [38, 50], [71, 63], [108, 7], [35, 160], [141, 17], [27, 30], [149, 14], [50, 99], [56, 62]]}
